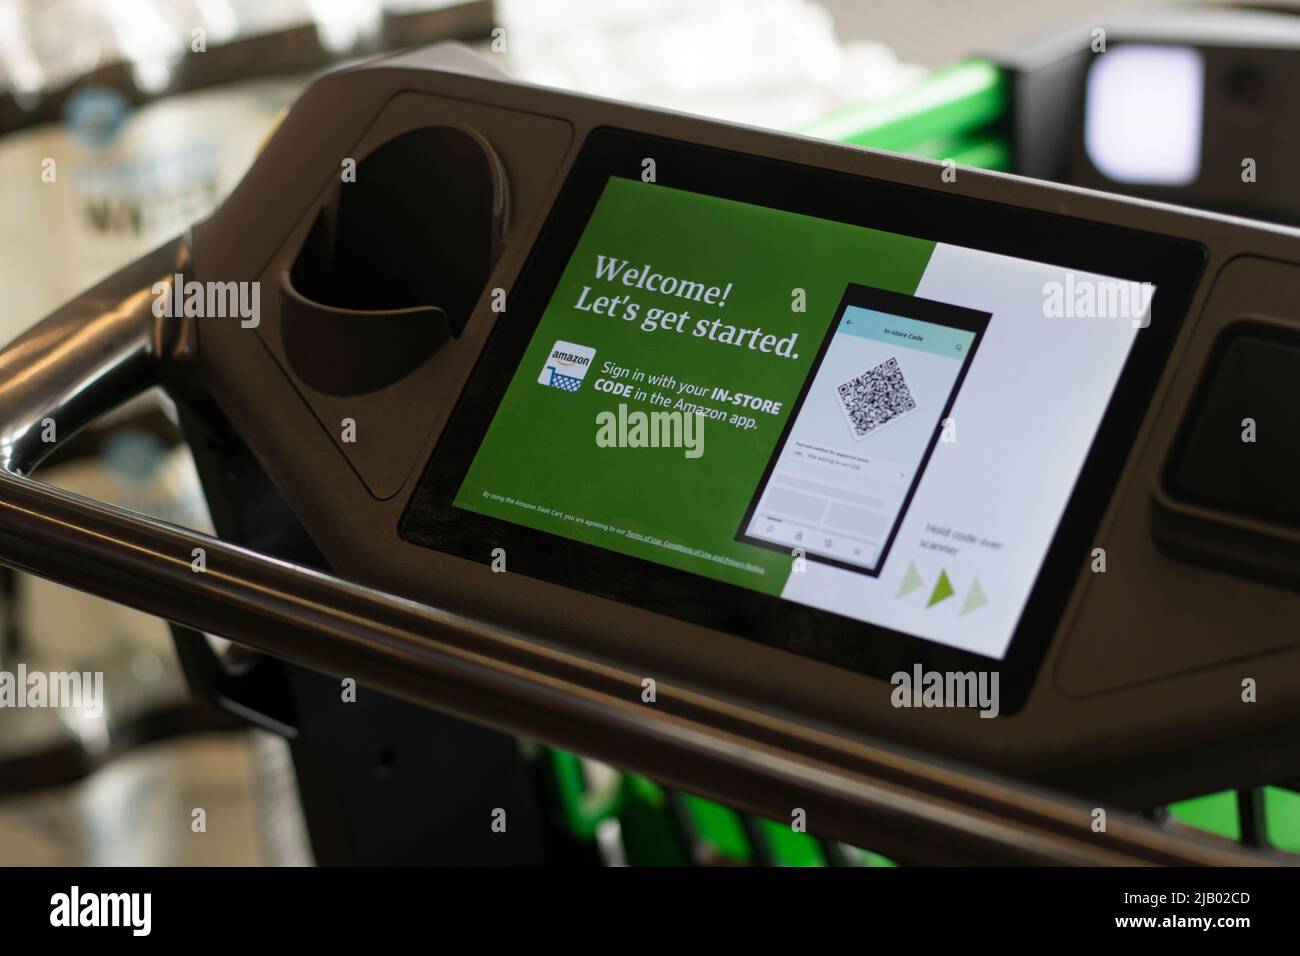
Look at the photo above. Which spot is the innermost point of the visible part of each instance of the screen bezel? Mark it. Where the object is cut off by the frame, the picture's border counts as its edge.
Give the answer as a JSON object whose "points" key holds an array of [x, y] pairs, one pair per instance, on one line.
{"points": [[1172, 265]]}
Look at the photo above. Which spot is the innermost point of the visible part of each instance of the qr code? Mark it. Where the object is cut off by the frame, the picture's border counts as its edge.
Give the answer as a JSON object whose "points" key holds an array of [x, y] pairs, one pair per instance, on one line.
{"points": [[876, 397]]}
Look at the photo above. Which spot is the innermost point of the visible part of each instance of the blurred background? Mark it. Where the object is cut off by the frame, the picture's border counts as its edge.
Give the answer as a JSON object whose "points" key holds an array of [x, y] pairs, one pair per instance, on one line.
{"points": [[123, 121]]}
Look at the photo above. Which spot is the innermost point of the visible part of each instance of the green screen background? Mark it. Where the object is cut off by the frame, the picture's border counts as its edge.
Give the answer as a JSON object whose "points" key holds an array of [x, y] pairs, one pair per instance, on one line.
{"points": [[541, 445]]}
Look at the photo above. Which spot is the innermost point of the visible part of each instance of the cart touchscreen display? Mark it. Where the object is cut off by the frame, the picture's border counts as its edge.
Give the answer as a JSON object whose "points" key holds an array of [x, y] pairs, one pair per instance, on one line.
{"points": [[872, 423]]}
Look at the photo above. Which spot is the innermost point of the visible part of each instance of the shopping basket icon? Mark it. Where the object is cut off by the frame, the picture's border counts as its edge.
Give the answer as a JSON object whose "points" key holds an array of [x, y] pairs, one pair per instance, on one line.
{"points": [[565, 382]]}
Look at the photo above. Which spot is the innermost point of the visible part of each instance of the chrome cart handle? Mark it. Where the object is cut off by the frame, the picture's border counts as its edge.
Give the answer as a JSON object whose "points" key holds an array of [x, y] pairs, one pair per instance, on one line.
{"points": [[84, 359], [107, 346]]}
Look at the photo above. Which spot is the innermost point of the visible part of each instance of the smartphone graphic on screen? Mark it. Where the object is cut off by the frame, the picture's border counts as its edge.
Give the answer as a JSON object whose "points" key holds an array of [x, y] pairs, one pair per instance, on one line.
{"points": [[863, 428]]}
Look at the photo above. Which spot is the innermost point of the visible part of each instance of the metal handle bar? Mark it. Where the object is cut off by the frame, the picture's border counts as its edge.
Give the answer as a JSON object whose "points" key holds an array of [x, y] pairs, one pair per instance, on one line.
{"points": [[107, 346]]}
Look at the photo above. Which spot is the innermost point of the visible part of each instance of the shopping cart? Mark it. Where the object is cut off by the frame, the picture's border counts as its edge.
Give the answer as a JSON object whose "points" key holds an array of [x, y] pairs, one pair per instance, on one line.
{"points": [[567, 383], [270, 588]]}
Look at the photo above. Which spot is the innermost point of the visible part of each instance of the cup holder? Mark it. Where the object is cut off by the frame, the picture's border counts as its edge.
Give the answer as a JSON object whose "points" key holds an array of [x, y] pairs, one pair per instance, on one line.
{"points": [[395, 261]]}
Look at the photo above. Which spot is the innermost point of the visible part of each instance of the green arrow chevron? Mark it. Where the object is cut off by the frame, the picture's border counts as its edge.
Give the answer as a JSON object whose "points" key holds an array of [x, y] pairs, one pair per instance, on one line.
{"points": [[911, 581], [942, 589]]}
